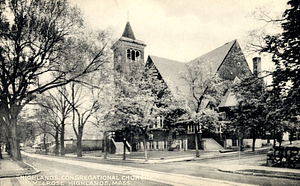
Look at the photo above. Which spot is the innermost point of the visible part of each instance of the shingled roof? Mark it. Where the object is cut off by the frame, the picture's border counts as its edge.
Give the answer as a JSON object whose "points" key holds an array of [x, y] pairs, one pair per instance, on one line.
{"points": [[128, 32], [215, 57], [171, 70]]}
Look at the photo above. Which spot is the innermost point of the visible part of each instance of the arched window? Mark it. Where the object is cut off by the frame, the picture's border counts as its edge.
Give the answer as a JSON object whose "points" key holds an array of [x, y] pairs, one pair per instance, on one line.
{"points": [[128, 54], [137, 54], [133, 55]]}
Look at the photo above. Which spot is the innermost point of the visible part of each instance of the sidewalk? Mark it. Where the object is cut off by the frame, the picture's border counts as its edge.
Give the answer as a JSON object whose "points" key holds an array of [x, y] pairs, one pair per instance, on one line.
{"points": [[9, 168], [165, 157], [10, 172], [261, 171]]}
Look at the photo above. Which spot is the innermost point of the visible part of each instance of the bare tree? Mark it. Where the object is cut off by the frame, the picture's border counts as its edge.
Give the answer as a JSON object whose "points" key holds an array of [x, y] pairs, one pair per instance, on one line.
{"points": [[83, 114], [41, 48], [59, 110]]}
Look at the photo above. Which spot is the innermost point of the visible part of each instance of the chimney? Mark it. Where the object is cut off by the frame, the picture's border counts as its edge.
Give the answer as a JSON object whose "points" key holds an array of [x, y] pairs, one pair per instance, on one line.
{"points": [[256, 66]]}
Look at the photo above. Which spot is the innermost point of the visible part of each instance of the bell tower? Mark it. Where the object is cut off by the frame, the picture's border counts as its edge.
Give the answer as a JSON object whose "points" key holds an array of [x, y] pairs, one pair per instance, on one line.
{"points": [[127, 49]]}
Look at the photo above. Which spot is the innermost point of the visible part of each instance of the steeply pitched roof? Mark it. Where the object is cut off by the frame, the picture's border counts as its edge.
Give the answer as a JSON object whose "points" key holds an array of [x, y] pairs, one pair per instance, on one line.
{"points": [[170, 71], [128, 32], [215, 57]]}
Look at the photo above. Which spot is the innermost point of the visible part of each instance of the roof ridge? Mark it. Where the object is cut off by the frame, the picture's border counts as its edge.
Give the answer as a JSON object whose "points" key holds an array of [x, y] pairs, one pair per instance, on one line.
{"points": [[166, 59], [233, 43]]}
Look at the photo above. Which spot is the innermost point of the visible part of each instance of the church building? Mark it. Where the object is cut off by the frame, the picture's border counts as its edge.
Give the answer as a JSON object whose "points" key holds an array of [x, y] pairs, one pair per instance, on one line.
{"points": [[228, 61]]}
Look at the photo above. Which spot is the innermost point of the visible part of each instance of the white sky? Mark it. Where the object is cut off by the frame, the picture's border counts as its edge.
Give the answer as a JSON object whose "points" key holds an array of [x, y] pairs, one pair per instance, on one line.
{"points": [[179, 29]]}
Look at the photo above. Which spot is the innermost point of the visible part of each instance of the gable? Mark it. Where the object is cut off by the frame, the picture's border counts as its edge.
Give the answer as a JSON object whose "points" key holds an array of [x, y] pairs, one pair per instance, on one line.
{"points": [[214, 58], [229, 99], [234, 64], [227, 60]]}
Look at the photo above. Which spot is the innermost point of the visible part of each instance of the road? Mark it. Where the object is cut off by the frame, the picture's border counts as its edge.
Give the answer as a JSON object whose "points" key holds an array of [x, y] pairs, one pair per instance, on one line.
{"points": [[208, 169], [69, 173], [64, 171]]}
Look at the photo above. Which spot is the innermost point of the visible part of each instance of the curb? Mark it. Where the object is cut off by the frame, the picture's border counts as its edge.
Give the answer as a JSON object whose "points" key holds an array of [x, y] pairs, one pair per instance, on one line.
{"points": [[260, 174]]}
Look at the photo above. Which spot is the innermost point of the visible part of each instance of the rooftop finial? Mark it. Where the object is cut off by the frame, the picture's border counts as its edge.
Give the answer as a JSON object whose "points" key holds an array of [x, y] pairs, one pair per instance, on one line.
{"points": [[127, 15]]}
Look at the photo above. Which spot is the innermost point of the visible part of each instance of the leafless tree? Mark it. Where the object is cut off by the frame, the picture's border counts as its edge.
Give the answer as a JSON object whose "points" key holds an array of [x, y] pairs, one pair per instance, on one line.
{"points": [[41, 47]]}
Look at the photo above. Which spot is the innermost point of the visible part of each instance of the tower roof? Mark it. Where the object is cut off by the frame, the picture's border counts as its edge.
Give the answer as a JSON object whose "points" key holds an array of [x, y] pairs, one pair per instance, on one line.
{"points": [[128, 32]]}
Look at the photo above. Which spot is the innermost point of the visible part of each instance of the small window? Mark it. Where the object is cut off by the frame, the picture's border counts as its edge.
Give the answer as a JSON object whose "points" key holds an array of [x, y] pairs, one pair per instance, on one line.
{"points": [[137, 54], [133, 55], [128, 54], [157, 123], [191, 128]]}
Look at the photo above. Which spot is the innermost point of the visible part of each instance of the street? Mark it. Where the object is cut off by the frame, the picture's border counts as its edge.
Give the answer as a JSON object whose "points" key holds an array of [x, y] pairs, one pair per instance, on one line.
{"points": [[58, 173], [207, 168], [179, 173], [65, 171]]}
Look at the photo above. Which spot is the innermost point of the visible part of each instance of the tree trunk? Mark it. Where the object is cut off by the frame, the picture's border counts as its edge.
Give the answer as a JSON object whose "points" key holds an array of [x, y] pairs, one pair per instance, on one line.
{"points": [[170, 138], [145, 147], [242, 143], [105, 138], [56, 142], [14, 141], [274, 138], [1, 157], [253, 144], [45, 145], [254, 133], [7, 147], [62, 140], [196, 142], [79, 142], [124, 148]]}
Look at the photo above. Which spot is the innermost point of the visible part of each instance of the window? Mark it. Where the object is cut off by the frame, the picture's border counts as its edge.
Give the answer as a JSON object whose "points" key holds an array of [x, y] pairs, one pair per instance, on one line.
{"points": [[190, 128], [128, 54], [133, 54], [150, 137], [159, 122]]}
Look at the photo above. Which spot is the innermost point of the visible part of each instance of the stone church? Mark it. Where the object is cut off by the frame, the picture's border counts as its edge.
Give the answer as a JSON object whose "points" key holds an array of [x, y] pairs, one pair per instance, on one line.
{"points": [[228, 61]]}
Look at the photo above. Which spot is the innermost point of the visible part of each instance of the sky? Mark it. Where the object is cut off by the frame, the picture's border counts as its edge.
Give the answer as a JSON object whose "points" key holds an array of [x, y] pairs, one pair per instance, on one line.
{"points": [[180, 30]]}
